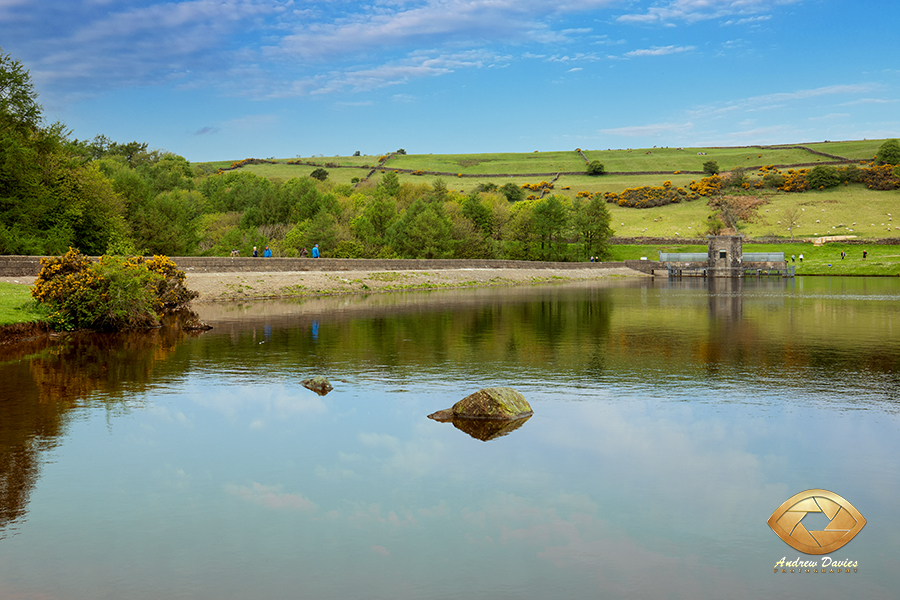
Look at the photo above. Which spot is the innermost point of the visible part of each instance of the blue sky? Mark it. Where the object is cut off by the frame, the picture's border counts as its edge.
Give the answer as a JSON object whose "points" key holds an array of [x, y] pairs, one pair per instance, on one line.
{"points": [[230, 79]]}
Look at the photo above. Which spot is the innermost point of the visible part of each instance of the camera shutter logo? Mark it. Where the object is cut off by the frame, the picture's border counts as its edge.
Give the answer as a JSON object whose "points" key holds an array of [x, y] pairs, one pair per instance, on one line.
{"points": [[845, 522]]}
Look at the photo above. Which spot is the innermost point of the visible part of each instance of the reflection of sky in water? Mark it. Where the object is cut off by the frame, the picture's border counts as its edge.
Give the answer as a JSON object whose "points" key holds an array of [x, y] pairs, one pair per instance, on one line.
{"points": [[222, 487]]}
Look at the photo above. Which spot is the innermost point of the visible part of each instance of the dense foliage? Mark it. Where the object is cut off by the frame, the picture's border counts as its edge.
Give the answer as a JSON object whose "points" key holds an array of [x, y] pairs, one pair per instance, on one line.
{"points": [[114, 293], [889, 153]]}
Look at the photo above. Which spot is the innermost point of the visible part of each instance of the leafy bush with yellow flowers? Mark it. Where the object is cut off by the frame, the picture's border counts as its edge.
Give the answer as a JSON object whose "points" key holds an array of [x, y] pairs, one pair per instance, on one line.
{"points": [[114, 293], [650, 196], [708, 186], [795, 181], [537, 187], [880, 177]]}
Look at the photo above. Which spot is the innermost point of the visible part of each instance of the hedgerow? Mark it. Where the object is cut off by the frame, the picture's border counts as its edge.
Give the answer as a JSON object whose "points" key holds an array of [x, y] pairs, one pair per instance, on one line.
{"points": [[651, 196]]}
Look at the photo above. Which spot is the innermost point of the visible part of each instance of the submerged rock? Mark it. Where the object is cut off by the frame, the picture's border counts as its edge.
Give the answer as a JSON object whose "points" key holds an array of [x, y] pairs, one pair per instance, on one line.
{"points": [[503, 403], [196, 325], [319, 384]]}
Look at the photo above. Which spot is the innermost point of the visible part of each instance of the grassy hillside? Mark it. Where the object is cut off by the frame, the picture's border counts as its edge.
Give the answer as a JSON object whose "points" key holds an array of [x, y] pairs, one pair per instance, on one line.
{"points": [[846, 210]]}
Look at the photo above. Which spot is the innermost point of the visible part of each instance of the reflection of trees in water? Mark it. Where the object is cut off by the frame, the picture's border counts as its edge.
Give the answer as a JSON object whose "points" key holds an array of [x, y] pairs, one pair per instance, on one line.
{"points": [[544, 328], [44, 382]]}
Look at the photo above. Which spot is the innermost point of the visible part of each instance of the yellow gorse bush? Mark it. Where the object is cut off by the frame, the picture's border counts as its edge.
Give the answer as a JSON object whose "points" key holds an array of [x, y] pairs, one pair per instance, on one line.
{"points": [[112, 293]]}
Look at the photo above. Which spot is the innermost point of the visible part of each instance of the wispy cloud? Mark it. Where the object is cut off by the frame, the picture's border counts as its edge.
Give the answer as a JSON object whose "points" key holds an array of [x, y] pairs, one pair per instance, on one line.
{"points": [[868, 101], [656, 129], [700, 10], [432, 22], [748, 20], [207, 131], [659, 51], [779, 99], [281, 49], [271, 496]]}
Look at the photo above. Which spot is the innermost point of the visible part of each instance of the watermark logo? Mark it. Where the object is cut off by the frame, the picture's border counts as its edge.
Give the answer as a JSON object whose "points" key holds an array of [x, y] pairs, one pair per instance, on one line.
{"points": [[844, 522]]}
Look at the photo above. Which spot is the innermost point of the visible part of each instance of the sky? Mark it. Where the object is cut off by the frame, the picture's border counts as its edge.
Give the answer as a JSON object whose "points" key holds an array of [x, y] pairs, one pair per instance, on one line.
{"points": [[232, 79]]}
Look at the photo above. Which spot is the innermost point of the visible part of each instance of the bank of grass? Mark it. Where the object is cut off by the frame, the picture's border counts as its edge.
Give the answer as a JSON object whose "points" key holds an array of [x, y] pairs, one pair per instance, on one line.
{"points": [[881, 260], [17, 306], [637, 161]]}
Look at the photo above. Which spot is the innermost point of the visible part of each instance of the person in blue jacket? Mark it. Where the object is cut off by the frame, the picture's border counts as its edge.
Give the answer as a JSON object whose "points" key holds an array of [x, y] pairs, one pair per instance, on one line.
{"points": [[267, 253], [315, 252]]}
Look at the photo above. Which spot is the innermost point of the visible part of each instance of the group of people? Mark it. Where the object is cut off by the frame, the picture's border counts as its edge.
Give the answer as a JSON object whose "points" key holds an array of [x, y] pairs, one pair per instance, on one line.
{"points": [[267, 253], [315, 252], [843, 256]]}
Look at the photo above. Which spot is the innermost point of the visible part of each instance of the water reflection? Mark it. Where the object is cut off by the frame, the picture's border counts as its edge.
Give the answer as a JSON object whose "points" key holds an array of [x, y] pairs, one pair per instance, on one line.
{"points": [[671, 419], [45, 382]]}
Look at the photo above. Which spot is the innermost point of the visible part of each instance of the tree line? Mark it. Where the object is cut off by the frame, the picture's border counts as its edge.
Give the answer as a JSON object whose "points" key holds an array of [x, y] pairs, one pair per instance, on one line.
{"points": [[105, 197]]}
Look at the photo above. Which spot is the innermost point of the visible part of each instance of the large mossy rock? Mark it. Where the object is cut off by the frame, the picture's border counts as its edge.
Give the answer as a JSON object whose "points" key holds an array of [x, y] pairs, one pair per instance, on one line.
{"points": [[496, 403]]}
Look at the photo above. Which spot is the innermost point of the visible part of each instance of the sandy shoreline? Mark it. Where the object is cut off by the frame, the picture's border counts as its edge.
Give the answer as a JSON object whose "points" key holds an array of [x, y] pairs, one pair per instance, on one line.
{"points": [[218, 287]]}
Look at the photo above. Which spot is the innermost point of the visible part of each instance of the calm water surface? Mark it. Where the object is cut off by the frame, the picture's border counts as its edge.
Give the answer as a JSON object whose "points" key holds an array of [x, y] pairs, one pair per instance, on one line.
{"points": [[671, 420]]}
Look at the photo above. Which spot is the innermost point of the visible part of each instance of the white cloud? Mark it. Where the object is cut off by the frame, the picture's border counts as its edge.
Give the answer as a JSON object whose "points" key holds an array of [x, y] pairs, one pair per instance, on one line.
{"points": [[867, 101], [778, 100], [701, 10], [659, 51], [749, 20], [656, 129]]}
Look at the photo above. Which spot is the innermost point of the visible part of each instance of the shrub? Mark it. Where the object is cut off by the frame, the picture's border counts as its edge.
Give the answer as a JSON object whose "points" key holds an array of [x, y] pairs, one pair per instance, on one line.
{"points": [[823, 176], [773, 180], [707, 186], [711, 167], [889, 153], [795, 181], [512, 192], [880, 178], [649, 196], [114, 293], [595, 167], [320, 174]]}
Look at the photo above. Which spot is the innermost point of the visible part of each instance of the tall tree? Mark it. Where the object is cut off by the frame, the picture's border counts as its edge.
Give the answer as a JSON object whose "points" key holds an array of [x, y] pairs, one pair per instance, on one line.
{"points": [[19, 108], [591, 221], [551, 219]]}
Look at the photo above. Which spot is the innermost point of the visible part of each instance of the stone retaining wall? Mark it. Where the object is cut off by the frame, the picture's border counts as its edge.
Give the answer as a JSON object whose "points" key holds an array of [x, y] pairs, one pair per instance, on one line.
{"points": [[29, 266]]}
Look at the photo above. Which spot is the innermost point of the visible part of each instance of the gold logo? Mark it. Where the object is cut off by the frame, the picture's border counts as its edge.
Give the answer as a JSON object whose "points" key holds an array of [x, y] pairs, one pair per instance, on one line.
{"points": [[845, 523]]}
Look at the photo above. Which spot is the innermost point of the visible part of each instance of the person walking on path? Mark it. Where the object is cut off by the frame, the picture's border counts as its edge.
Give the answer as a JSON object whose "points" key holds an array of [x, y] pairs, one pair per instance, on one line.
{"points": [[801, 258], [303, 252], [255, 252], [267, 253], [315, 252], [843, 254], [865, 253]]}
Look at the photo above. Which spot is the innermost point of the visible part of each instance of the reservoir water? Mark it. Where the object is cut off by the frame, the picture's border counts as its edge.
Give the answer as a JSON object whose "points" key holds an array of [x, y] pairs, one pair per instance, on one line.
{"points": [[671, 419]]}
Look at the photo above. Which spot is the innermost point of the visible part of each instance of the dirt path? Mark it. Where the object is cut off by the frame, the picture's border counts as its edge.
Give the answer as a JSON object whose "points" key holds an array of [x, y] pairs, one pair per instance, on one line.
{"points": [[214, 287], [243, 286]]}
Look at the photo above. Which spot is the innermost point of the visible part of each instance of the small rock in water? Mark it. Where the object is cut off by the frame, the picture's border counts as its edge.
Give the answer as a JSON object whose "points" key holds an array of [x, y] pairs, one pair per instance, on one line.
{"points": [[319, 384], [196, 325]]}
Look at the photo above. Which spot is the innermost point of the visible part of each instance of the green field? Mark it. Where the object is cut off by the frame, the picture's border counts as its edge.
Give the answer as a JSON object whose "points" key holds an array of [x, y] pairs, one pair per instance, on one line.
{"points": [[666, 160], [16, 305]]}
